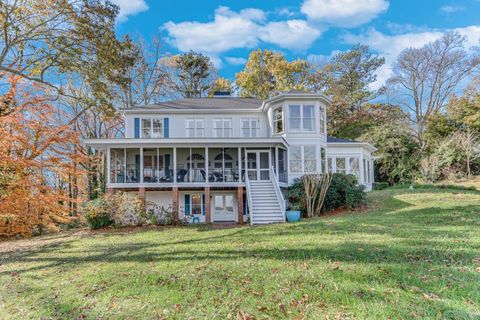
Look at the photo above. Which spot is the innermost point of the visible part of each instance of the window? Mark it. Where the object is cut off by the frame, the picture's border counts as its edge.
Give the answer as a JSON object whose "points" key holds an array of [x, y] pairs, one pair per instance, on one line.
{"points": [[222, 127], [364, 171], [308, 118], [196, 204], [322, 120], [355, 167], [278, 120], [303, 159], [296, 159], [301, 117], [295, 117], [250, 127], [195, 128], [152, 128], [340, 163], [323, 159], [309, 162], [330, 165], [369, 169]]}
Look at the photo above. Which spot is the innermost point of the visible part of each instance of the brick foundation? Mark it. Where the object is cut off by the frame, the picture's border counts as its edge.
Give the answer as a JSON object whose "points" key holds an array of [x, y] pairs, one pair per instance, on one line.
{"points": [[240, 204], [175, 203], [208, 212]]}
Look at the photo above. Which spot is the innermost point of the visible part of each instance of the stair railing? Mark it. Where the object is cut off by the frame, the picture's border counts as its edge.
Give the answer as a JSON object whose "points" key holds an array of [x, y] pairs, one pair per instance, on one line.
{"points": [[279, 193]]}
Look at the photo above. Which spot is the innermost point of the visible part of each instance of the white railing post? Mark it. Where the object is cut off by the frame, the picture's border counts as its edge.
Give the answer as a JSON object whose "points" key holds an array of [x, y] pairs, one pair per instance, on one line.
{"points": [[278, 192]]}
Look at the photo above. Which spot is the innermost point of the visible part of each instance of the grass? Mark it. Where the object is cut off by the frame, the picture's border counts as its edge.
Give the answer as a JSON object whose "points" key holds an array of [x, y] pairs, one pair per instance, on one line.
{"points": [[413, 254]]}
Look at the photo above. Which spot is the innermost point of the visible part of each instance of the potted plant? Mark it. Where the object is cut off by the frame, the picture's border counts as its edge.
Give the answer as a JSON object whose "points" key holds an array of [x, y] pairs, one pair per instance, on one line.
{"points": [[293, 212]]}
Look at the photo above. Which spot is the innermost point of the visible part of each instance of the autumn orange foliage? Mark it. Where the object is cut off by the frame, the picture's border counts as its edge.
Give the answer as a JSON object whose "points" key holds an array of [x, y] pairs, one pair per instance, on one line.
{"points": [[38, 163]]}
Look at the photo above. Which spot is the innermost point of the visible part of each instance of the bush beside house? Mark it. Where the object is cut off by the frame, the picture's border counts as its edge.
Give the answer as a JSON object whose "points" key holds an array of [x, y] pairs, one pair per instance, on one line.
{"points": [[344, 192]]}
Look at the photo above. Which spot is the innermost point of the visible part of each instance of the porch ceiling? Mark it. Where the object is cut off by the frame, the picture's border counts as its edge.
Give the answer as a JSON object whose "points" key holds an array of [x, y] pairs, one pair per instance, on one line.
{"points": [[100, 144]]}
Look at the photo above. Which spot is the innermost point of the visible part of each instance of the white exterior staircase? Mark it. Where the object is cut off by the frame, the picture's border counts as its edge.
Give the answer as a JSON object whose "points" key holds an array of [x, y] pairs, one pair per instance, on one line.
{"points": [[265, 201]]}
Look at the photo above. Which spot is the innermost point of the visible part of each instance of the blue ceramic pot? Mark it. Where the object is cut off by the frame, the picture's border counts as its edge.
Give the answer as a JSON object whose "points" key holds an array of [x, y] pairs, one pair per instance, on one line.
{"points": [[293, 216]]}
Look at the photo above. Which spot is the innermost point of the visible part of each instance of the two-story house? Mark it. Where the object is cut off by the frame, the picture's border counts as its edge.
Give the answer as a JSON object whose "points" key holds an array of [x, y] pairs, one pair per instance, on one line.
{"points": [[227, 159]]}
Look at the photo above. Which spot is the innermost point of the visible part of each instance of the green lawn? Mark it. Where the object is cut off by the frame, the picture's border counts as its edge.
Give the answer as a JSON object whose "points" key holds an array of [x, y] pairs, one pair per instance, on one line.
{"points": [[413, 254]]}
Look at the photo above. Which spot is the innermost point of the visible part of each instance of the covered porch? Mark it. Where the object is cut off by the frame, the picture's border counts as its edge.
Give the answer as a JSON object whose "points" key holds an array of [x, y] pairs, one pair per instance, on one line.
{"points": [[167, 164]]}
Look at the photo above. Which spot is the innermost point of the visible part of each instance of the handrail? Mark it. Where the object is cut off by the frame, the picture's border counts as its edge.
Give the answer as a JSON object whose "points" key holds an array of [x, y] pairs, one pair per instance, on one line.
{"points": [[249, 197], [278, 192]]}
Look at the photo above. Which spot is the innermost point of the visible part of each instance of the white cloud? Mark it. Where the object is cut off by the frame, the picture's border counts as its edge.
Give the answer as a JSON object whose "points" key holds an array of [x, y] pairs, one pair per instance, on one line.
{"points": [[236, 60], [344, 13], [390, 46], [291, 34], [451, 8], [129, 8], [244, 29], [228, 30]]}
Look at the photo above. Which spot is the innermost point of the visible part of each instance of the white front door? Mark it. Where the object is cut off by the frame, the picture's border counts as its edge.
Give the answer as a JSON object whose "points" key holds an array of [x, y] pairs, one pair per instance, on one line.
{"points": [[223, 208], [258, 165]]}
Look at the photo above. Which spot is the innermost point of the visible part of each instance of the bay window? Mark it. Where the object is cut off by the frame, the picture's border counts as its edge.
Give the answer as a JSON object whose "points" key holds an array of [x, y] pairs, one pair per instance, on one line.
{"points": [[223, 127], [303, 159], [309, 162], [295, 159], [301, 117], [278, 120], [322, 120]]}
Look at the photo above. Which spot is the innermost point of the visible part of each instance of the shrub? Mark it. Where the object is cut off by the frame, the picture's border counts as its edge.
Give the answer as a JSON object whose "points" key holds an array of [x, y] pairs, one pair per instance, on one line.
{"points": [[120, 209], [126, 209], [380, 185], [97, 213], [344, 191]]}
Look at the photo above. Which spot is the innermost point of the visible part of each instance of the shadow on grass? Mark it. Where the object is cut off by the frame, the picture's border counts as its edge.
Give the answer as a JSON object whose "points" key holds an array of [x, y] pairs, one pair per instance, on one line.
{"points": [[414, 241]]}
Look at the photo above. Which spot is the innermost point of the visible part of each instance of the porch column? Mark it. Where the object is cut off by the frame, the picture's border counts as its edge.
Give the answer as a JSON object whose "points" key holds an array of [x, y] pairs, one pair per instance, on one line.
{"points": [[208, 213], [207, 173], [240, 205], [142, 194], [175, 203], [239, 164], [175, 166]]}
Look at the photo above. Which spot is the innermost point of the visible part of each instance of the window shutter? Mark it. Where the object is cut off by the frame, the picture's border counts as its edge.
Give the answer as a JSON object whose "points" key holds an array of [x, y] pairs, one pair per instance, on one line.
{"points": [[187, 205], [203, 203], [167, 163], [166, 128], [137, 127]]}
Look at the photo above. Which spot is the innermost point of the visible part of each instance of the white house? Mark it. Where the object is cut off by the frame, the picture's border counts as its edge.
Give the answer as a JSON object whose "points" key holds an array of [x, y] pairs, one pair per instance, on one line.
{"points": [[215, 159]]}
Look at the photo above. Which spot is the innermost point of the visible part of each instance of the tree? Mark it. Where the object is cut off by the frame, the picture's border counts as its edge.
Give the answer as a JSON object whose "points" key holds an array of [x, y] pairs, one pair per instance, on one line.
{"points": [[36, 155], [267, 73], [426, 77], [44, 40], [347, 80], [192, 74], [220, 84], [397, 155], [150, 77]]}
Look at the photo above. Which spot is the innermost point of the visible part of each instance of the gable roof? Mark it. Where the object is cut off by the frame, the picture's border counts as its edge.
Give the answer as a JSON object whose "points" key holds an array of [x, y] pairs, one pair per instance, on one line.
{"points": [[221, 103]]}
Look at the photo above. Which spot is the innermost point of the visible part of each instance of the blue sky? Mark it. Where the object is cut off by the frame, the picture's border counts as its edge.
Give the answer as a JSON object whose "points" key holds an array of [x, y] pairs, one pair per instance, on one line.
{"points": [[309, 29]]}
